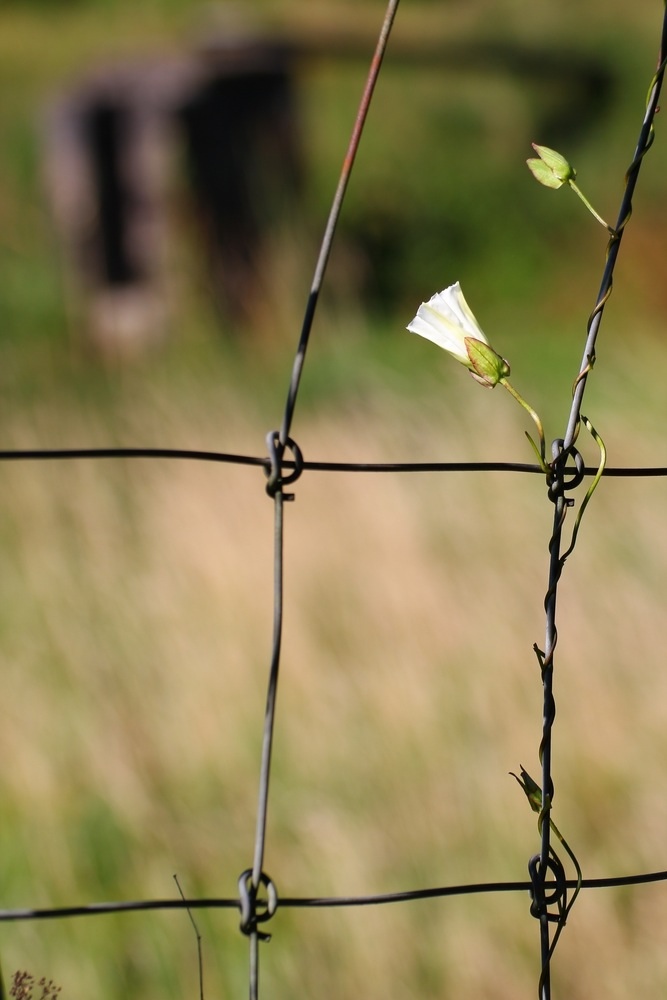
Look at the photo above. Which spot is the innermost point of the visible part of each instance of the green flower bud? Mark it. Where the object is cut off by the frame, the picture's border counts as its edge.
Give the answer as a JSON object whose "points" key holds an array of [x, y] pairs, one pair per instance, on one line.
{"points": [[486, 366], [531, 789], [551, 169]]}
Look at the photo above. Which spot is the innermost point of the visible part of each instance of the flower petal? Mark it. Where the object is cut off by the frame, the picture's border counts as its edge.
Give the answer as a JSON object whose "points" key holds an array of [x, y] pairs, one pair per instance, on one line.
{"points": [[432, 325], [446, 320]]}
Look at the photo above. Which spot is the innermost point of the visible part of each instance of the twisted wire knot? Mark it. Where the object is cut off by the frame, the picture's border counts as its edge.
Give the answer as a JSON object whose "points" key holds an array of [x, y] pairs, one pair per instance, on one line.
{"points": [[256, 911], [563, 477], [275, 478], [541, 899]]}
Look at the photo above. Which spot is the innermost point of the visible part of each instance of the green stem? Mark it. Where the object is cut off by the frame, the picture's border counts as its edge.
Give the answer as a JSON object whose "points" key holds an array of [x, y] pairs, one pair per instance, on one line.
{"points": [[535, 418], [573, 858], [580, 194], [591, 489]]}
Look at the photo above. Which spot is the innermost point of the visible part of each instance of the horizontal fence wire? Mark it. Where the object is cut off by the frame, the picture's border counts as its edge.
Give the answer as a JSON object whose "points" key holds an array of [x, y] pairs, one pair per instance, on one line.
{"points": [[320, 902], [228, 458]]}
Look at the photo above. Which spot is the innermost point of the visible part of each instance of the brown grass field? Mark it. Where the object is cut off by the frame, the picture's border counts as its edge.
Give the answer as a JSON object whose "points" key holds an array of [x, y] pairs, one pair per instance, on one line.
{"points": [[136, 619]]}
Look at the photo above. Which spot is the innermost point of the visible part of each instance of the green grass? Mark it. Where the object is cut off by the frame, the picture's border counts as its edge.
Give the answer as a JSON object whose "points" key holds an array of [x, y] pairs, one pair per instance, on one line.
{"points": [[135, 597]]}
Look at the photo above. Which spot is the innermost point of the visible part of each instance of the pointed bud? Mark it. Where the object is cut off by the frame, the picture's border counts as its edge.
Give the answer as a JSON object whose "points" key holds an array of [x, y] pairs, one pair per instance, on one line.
{"points": [[487, 367], [532, 790], [551, 169]]}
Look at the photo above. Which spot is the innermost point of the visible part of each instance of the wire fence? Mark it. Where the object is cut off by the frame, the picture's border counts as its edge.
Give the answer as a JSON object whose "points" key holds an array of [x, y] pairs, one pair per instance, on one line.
{"points": [[552, 892]]}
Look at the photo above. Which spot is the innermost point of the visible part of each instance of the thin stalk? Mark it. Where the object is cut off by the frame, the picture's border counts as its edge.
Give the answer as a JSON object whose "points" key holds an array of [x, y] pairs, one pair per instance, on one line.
{"points": [[536, 420], [596, 215]]}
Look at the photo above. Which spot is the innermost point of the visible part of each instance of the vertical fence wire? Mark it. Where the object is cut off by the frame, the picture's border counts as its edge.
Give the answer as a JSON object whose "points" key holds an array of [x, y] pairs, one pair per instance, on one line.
{"points": [[334, 215], [562, 450], [278, 441]]}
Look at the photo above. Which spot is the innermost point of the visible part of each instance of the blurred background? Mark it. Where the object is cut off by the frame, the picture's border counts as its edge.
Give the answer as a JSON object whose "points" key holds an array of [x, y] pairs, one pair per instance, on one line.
{"points": [[166, 169]]}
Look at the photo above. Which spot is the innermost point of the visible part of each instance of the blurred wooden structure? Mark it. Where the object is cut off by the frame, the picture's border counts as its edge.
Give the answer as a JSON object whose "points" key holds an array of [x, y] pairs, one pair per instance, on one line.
{"points": [[227, 114]]}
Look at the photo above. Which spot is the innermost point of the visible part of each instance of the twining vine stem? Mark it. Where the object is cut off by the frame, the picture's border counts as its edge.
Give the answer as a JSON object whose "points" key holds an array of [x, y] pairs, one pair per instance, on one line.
{"points": [[562, 450]]}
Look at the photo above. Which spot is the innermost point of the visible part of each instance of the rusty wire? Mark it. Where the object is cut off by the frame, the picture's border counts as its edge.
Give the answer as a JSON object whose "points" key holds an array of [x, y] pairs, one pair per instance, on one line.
{"points": [[278, 442]]}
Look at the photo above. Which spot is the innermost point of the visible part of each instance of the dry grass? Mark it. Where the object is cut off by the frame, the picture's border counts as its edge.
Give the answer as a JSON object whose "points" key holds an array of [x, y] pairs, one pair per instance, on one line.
{"points": [[135, 619]]}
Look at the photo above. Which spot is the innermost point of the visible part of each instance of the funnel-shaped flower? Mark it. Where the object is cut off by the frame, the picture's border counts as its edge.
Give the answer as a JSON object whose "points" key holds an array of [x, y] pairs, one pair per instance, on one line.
{"points": [[447, 320]]}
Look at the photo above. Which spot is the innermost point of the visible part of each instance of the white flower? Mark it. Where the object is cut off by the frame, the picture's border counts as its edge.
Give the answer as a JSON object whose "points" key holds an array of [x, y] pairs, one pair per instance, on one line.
{"points": [[447, 320]]}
